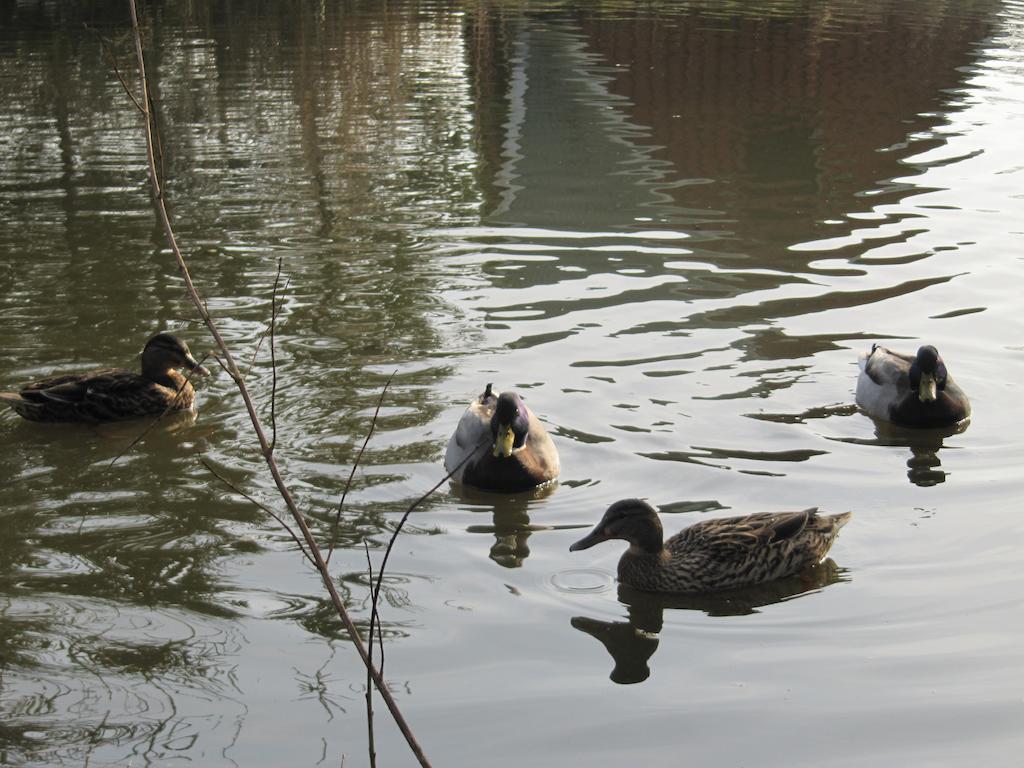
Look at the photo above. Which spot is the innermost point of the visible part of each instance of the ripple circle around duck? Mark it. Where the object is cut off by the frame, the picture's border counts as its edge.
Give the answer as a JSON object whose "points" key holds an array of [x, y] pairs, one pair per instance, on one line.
{"points": [[583, 580]]}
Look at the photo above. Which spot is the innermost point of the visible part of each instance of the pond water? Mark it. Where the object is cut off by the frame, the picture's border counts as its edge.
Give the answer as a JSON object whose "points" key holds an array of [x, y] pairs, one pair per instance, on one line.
{"points": [[671, 226]]}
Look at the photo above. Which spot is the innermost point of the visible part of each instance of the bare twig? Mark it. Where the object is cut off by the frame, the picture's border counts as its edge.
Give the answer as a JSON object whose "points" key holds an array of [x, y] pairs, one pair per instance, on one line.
{"points": [[273, 355], [113, 63], [375, 592], [263, 336], [355, 465], [264, 507], [235, 373], [370, 741], [256, 352]]}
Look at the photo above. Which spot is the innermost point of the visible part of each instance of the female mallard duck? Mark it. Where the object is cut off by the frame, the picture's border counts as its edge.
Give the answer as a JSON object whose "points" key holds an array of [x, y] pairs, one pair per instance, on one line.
{"points": [[727, 553], [501, 446], [911, 391], [114, 393]]}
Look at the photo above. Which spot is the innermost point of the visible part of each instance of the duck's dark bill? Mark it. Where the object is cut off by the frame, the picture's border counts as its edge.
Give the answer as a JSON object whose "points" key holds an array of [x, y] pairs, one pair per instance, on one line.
{"points": [[194, 364], [592, 538]]}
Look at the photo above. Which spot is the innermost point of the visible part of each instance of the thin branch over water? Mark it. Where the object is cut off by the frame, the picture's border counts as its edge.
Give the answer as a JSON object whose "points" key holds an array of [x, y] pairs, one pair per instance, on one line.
{"points": [[355, 465]]}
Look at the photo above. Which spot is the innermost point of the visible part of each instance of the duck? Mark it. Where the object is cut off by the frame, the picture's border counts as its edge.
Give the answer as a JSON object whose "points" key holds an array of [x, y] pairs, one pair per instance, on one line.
{"points": [[114, 394], [910, 391], [500, 445], [714, 555]]}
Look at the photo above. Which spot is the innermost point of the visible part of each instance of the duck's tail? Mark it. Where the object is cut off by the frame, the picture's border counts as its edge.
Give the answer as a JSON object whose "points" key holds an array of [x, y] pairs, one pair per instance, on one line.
{"points": [[840, 520]]}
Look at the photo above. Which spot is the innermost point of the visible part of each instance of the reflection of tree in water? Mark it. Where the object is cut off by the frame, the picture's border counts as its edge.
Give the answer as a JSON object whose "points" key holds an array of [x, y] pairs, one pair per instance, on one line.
{"points": [[709, 147], [632, 643], [510, 521], [110, 618], [106, 688], [314, 120]]}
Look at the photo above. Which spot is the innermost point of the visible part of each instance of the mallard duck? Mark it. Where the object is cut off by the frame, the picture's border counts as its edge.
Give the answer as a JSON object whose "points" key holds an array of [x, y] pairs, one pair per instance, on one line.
{"points": [[503, 445], [114, 393], [714, 555], [910, 391]]}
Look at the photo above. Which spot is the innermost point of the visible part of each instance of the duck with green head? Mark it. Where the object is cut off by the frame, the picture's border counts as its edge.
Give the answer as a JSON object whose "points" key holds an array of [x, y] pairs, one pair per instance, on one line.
{"points": [[720, 554], [500, 445], [113, 394], [913, 391]]}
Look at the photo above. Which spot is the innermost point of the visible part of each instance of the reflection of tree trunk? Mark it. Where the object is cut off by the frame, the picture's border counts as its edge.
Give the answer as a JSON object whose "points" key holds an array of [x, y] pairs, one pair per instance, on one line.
{"points": [[58, 75], [488, 46], [308, 86], [154, 69]]}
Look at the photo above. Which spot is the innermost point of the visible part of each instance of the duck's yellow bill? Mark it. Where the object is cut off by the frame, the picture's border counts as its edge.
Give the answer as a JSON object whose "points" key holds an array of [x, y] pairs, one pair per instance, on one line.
{"points": [[503, 442], [926, 389]]}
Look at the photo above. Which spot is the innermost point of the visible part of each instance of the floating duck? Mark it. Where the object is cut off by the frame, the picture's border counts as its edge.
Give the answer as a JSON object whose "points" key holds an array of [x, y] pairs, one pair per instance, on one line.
{"points": [[114, 393], [501, 446], [725, 553], [910, 391]]}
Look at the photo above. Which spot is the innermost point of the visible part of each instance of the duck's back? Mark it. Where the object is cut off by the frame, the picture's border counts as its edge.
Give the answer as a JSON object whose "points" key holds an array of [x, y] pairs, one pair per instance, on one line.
{"points": [[728, 553], [471, 435], [884, 381], [110, 394]]}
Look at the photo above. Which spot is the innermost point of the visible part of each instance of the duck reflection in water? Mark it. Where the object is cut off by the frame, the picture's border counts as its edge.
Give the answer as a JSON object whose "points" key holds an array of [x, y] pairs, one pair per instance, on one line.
{"points": [[924, 467], [632, 643], [510, 516]]}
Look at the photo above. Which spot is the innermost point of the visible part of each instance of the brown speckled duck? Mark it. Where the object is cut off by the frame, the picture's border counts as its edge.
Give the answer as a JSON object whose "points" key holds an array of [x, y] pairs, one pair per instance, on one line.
{"points": [[911, 391], [114, 393], [511, 450], [713, 555]]}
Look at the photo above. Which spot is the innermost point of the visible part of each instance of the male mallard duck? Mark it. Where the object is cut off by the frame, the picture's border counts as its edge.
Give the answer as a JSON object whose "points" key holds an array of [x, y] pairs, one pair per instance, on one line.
{"points": [[714, 555], [113, 393], [511, 449], [911, 391]]}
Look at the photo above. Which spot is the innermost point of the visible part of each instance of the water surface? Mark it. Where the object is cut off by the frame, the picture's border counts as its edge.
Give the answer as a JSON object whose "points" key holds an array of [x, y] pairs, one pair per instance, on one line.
{"points": [[672, 228]]}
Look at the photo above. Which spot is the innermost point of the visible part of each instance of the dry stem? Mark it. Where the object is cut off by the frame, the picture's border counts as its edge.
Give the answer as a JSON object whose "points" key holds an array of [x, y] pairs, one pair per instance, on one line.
{"points": [[355, 465]]}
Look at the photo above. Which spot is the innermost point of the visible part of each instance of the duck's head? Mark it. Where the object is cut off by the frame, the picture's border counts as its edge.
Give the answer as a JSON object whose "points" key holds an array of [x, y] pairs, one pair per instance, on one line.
{"points": [[509, 424], [928, 374], [632, 520], [164, 352]]}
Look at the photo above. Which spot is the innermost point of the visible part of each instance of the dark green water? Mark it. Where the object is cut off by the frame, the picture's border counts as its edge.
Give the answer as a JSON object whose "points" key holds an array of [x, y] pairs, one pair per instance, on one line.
{"points": [[672, 227]]}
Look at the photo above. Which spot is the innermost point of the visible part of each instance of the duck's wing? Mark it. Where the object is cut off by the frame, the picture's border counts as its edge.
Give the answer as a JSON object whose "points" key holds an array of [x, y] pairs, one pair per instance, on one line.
{"points": [[472, 431], [884, 367], [884, 382], [542, 448], [74, 389], [738, 537]]}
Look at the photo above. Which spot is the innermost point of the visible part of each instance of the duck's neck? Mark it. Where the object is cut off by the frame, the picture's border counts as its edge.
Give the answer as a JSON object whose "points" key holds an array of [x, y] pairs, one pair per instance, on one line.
{"points": [[656, 553], [644, 570], [169, 378], [647, 539]]}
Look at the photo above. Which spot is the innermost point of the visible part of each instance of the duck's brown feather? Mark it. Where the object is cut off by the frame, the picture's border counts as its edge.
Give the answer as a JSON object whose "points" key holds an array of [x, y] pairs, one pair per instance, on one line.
{"points": [[726, 553], [109, 394]]}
